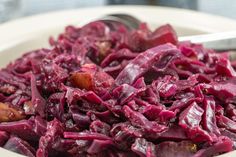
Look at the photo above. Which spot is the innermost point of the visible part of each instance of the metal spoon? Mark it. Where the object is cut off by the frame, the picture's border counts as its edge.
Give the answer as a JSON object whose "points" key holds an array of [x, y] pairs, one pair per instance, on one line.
{"points": [[129, 21], [224, 41], [217, 41]]}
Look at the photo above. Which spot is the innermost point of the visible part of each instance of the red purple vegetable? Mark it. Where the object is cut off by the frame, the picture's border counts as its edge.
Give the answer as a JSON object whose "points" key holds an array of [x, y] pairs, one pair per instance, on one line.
{"points": [[106, 91]]}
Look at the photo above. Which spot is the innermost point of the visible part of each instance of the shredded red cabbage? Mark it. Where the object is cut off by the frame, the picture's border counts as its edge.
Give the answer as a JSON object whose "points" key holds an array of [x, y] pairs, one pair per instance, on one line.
{"points": [[102, 92]]}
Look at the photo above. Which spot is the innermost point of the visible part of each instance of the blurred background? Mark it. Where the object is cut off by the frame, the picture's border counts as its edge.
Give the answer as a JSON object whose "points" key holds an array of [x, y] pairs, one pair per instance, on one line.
{"points": [[10, 9]]}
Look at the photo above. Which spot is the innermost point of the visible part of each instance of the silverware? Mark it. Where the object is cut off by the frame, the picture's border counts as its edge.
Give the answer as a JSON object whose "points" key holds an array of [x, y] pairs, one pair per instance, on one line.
{"points": [[217, 41], [223, 41], [129, 21]]}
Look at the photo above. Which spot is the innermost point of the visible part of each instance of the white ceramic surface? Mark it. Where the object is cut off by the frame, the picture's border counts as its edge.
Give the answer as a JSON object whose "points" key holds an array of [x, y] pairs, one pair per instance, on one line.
{"points": [[30, 33]]}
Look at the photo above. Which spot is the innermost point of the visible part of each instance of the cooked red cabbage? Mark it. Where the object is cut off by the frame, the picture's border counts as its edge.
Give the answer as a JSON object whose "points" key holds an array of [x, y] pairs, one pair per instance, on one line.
{"points": [[114, 92]]}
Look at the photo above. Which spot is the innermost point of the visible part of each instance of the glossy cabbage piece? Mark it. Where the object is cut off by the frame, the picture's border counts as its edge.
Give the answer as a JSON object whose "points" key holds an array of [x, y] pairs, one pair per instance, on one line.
{"points": [[223, 144], [107, 91], [4, 136], [144, 61], [143, 38], [209, 118], [23, 129], [190, 120], [19, 146], [144, 148]]}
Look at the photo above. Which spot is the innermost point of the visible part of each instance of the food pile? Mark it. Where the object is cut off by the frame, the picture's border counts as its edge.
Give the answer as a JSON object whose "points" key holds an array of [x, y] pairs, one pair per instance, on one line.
{"points": [[103, 91]]}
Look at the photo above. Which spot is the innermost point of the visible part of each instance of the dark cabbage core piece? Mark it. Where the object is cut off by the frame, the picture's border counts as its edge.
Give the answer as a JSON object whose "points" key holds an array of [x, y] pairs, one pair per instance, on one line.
{"points": [[105, 91]]}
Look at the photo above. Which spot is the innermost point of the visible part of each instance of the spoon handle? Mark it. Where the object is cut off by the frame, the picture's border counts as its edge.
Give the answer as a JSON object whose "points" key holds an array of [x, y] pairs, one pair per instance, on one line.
{"points": [[217, 41]]}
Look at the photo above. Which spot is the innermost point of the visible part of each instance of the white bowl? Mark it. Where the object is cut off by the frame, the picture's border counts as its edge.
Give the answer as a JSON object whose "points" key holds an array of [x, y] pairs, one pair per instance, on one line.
{"points": [[19, 36]]}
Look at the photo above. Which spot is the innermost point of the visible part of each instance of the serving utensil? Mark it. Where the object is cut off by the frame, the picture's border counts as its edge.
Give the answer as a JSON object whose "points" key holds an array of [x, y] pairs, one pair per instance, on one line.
{"points": [[223, 41]]}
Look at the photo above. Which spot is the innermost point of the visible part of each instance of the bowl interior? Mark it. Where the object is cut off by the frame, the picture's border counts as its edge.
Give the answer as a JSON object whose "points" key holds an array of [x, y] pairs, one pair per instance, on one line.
{"points": [[16, 45]]}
